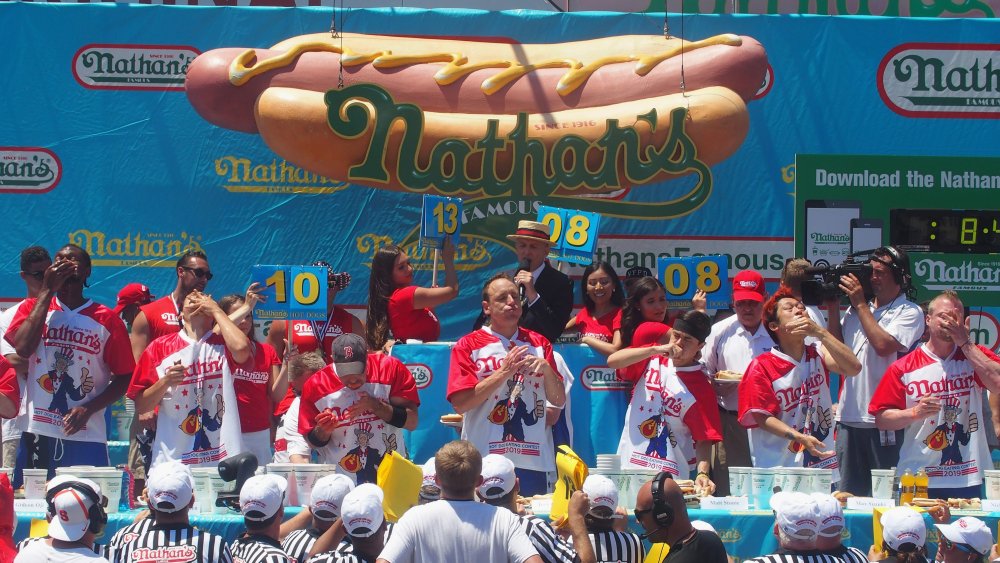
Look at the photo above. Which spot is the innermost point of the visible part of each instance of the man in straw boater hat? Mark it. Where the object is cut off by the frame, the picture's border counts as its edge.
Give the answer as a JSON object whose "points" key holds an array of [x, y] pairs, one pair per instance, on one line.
{"points": [[546, 293]]}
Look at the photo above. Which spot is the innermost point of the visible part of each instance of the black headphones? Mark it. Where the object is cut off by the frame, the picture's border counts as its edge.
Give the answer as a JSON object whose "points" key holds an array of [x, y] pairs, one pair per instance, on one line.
{"points": [[96, 515], [899, 264], [662, 513]]}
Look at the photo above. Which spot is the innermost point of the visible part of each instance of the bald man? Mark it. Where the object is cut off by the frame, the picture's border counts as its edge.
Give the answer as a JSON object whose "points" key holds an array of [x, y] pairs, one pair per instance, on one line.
{"points": [[687, 544]]}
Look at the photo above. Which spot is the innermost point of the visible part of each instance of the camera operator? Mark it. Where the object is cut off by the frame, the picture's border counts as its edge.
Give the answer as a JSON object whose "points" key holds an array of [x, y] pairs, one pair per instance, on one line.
{"points": [[877, 331]]}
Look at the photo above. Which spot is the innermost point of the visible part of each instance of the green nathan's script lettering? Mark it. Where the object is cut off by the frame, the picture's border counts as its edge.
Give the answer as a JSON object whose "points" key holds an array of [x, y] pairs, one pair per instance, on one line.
{"points": [[535, 168]]}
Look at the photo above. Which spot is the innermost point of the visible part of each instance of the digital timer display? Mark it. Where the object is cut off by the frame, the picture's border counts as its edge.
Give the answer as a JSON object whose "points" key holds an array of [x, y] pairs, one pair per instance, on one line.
{"points": [[946, 230]]}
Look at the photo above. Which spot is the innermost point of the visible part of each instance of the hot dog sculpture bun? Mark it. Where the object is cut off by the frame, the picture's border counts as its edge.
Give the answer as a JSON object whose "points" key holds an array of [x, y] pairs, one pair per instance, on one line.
{"points": [[543, 92]]}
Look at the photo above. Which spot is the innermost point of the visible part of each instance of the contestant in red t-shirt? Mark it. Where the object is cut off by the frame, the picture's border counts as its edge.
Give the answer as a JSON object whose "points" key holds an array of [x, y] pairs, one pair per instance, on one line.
{"points": [[399, 309], [260, 382], [599, 322]]}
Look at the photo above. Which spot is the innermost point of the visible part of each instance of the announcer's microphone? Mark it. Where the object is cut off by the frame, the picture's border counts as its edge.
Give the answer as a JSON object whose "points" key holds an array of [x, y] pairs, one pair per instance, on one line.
{"points": [[523, 265], [647, 535]]}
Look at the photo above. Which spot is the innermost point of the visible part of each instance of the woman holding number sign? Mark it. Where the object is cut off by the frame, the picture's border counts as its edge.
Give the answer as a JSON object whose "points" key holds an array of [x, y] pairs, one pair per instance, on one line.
{"points": [[399, 308], [600, 320]]}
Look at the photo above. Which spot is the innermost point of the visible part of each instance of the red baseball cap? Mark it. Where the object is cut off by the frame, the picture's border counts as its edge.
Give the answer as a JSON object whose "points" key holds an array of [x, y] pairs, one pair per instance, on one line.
{"points": [[133, 293], [748, 285]]}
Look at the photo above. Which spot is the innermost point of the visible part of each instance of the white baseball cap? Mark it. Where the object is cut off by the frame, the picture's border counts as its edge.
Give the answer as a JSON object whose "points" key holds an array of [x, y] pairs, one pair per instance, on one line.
{"points": [[430, 471], [831, 515], [262, 496], [903, 525], [603, 493], [970, 531], [71, 514], [362, 512], [796, 514], [704, 526], [328, 496], [171, 487], [498, 477]]}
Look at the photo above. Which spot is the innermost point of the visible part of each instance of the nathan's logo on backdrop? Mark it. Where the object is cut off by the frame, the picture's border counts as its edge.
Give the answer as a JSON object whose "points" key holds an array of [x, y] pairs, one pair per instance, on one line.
{"points": [[942, 80], [28, 170], [138, 249], [985, 330], [133, 67], [274, 176], [422, 375], [602, 378], [470, 253]]}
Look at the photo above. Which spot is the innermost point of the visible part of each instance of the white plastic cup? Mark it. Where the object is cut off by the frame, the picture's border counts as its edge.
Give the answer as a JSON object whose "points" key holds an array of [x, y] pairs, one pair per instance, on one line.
{"points": [[203, 497], [286, 471], [992, 484], [34, 483], [110, 481], [306, 475], [219, 485], [762, 486], [798, 479], [739, 481], [822, 480], [882, 483]]}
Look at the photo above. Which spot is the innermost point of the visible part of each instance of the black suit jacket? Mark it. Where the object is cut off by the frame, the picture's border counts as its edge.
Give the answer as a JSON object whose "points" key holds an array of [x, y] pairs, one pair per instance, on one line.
{"points": [[550, 313]]}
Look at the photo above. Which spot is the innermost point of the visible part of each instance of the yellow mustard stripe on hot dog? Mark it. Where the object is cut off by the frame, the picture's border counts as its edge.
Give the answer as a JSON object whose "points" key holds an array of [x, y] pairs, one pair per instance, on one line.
{"points": [[246, 66]]}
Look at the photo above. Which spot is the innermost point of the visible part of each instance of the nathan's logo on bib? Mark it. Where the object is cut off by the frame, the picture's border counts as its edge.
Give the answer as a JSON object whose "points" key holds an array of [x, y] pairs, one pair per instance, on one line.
{"points": [[275, 176], [251, 376], [602, 378], [170, 318], [422, 375], [28, 170], [135, 249], [170, 554], [133, 67], [941, 80]]}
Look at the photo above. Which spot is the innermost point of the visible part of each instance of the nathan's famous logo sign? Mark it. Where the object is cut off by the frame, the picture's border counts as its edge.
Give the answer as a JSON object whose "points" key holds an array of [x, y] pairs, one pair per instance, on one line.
{"points": [[133, 67], [495, 121], [28, 170], [241, 174], [470, 252], [135, 249], [941, 80]]}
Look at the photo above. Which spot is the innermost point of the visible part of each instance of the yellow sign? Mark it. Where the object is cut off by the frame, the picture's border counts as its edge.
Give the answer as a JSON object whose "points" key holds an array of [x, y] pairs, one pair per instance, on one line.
{"points": [[572, 472], [400, 480], [39, 528]]}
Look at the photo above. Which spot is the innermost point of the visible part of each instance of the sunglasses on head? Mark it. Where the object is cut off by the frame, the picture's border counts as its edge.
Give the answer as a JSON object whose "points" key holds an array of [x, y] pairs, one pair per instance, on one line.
{"points": [[199, 273], [948, 544]]}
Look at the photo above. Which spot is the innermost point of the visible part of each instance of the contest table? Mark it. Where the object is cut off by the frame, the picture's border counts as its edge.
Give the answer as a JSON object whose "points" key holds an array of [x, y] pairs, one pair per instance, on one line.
{"points": [[745, 534]]}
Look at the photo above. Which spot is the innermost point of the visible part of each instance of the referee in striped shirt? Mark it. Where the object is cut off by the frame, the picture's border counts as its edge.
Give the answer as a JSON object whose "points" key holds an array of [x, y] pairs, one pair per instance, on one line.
{"points": [[324, 508], [363, 520], [500, 488], [262, 504], [171, 537], [797, 521], [609, 531]]}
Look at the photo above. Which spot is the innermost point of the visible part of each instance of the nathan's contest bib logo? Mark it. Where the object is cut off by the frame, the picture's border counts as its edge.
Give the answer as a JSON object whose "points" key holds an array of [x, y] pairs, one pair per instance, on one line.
{"points": [[241, 174], [133, 67], [602, 378], [28, 170], [422, 375], [941, 80], [135, 249]]}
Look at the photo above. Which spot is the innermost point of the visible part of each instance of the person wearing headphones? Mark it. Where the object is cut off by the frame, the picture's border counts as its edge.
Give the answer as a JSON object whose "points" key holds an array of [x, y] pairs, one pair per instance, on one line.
{"points": [[878, 331], [76, 517], [660, 510]]}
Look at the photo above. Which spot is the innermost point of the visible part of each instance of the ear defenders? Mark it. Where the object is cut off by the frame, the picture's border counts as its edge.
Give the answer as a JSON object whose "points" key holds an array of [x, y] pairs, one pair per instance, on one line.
{"points": [[898, 263], [96, 515], [662, 513]]}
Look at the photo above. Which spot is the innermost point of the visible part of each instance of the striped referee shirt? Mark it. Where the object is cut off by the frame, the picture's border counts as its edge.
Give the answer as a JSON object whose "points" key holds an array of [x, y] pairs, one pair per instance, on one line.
{"points": [[127, 534], [344, 552], [299, 543], [173, 542], [800, 557], [551, 548], [617, 547], [256, 548]]}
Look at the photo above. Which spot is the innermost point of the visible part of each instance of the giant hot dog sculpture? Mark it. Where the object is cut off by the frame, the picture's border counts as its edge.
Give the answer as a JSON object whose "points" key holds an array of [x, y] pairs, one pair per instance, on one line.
{"points": [[471, 117]]}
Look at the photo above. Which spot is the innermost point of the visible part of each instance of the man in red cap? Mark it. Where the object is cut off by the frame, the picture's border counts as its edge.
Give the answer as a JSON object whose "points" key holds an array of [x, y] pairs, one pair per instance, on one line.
{"points": [[130, 298], [732, 345]]}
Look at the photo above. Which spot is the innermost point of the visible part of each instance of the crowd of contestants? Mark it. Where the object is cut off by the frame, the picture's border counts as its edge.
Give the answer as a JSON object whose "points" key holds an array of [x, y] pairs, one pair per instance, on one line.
{"points": [[749, 387]]}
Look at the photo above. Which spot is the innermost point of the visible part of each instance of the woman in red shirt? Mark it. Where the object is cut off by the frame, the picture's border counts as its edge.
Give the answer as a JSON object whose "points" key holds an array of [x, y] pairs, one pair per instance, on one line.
{"points": [[600, 320], [260, 382], [644, 314], [398, 308]]}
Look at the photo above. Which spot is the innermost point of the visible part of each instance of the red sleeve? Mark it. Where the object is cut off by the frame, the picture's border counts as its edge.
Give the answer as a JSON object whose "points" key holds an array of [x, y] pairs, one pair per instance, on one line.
{"points": [[145, 374], [703, 417], [989, 354], [461, 370], [403, 385], [403, 298], [9, 386], [118, 348], [547, 348], [890, 393], [270, 355], [18, 320], [635, 371], [756, 394], [307, 404], [616, 323]]}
